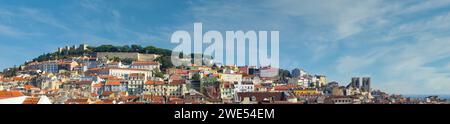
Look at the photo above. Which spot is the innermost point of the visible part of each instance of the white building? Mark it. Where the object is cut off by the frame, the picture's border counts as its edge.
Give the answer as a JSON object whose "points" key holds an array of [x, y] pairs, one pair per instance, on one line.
{"points": [[15, 97], [245, 86], [47, 66], [149, 65], [136, 83], [124, 72], [268, 72]]}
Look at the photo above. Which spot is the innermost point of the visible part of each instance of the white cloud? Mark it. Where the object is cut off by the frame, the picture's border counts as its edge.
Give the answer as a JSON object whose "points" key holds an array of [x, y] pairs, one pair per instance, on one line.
{"points": [[405, 68], [39, 16], [344, 17], [9, 31], [423, 6], [15, 33]]}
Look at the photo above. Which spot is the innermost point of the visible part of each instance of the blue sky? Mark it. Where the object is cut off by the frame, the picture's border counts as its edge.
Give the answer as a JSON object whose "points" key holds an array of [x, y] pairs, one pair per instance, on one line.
{"points": [[403, 45]]}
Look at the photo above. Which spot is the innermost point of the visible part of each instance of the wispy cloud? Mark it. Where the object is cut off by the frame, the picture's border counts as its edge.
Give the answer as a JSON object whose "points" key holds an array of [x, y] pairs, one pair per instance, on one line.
{"points": [[37, 15], [9, 31], [406, 63], [396, 42], [422, 6]]}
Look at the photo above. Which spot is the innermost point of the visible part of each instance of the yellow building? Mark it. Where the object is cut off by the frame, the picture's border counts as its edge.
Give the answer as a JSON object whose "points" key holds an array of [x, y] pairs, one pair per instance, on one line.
{"points": [[235, 78], [306, 92]]}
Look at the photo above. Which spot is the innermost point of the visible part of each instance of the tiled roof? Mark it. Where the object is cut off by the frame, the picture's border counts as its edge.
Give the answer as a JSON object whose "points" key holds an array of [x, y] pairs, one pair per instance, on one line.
{"points": [[83, 82], [226, 84], [177, 82], [97, 85], [106, 93], [175, 77], [94, 69], [106, 101], [134, 103], [155, 99], [76, 101], [176, 101], [18, 79], [260, 96], [28, 87], [150, 82], [31, 100], [9, 94], [113, 83], [94, 94]]}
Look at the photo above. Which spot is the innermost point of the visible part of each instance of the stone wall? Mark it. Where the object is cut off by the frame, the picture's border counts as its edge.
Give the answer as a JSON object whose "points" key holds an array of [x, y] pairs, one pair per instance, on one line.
{"points": [[124, 55]]}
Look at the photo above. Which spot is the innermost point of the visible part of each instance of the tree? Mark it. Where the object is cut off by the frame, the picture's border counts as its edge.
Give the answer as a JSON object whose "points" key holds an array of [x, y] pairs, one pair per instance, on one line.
{"points": [[158, 73], [137, 48], [196, 77], [283, 75], [11, 72], [127, 61], [106, 48], [165, 61], [155, 50], [115, 59], [208, 81], [125, 48]]}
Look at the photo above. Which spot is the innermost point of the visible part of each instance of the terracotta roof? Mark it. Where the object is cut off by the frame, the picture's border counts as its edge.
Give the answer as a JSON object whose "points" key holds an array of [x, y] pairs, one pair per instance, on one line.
{"points": [[31, 100], [134, 103], [194, 71], [83, 82], [18, 79], [155, 99], [106, 101], [76, 101], [123, 93], [100, 102], [176, 101], [226, 84], [106, 76], [97, 85], [128, 98], [177, 82], [175, 77], [182, 71], [106, 93], [113, 83], [94, 94], [94, 69], [9, 94], [261, 96], [28, 87], [150, 82]]}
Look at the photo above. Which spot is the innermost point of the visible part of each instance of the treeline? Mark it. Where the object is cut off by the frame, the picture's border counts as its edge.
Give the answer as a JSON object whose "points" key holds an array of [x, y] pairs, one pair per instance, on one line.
{"points": [[91, 50], [165, 59], [103, 48], [132, 48]]}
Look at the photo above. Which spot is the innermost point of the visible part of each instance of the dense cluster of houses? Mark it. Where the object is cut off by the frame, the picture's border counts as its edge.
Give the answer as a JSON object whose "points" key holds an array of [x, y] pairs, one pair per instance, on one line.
{"points": [[99, 80]]}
